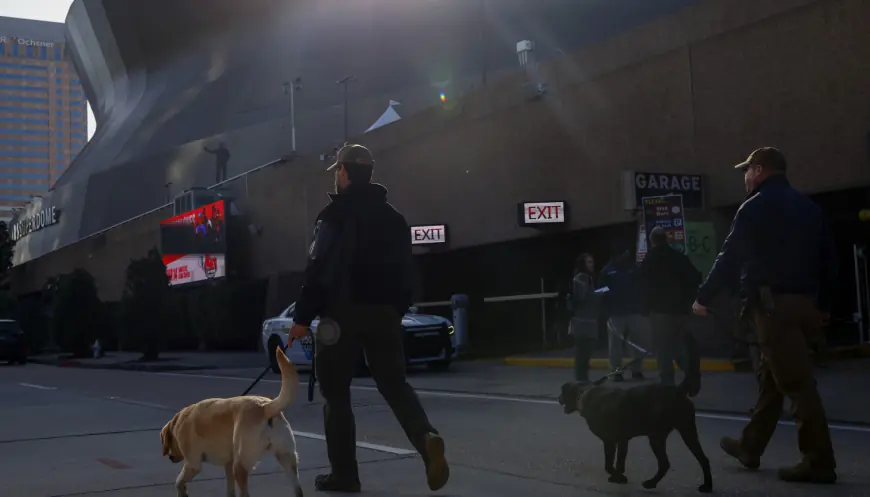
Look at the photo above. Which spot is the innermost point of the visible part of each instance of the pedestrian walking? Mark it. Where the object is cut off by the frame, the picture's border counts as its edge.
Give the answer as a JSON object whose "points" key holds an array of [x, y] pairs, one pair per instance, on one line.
{"points": [[781, 246], [358, 280], [584, 306], [669, 282], [625, 311]]}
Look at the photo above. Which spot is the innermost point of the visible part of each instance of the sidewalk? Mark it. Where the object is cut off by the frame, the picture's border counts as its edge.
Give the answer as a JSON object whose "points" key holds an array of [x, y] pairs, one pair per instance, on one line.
{"points": [[565, 359], [168, 361]]}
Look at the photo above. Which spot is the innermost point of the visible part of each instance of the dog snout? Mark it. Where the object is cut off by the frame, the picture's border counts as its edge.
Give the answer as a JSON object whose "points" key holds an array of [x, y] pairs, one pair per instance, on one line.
{"points": [[175, 459]]}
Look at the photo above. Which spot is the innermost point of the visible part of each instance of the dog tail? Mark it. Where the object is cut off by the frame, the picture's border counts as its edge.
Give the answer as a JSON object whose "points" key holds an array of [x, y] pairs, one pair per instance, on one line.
{"points": [[289, 386], [691, 384]]}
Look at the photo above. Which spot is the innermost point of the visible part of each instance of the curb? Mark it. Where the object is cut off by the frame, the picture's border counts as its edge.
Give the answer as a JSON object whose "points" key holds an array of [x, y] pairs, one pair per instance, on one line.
{"points": [[707, 365], [151, 368]]}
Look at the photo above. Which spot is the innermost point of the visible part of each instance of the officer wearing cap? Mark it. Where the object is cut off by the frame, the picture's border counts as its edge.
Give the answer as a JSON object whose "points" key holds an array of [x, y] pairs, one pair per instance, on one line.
{"points": [[781, 248], [358, 280]]}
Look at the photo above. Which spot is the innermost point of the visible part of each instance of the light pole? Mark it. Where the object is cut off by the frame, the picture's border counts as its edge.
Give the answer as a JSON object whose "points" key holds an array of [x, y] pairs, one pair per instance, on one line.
{"points": [[344, 81], [290, 88]]}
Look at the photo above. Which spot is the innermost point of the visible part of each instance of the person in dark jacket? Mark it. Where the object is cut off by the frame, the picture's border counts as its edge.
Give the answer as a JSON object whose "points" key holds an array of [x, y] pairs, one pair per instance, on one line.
{"points": [[359, 277], [669, 282], [625, 311], [781, 246], [583, 303]]}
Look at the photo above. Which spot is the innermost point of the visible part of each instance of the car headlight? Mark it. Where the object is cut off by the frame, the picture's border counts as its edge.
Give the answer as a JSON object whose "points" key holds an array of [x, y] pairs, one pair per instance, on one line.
{"points": [[451, 330]]}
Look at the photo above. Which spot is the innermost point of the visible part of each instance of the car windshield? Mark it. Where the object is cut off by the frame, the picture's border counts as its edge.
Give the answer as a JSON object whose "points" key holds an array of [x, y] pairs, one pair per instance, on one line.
{"points": [[288, 312]]}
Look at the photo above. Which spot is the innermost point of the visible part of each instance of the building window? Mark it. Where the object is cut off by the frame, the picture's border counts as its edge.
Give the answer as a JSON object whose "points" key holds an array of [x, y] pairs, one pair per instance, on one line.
{"points": [[76, 113], [57, 54], [23, 77], [59, 155], [75, 93], [15, 197], [2, 49], [43, 53], [28, 51], [33, 100], [58, 81], [75, 82], [22, 143], [15, 50], [38, 165], [60, 134], [22, 120], [60, 113], [21, 110]]}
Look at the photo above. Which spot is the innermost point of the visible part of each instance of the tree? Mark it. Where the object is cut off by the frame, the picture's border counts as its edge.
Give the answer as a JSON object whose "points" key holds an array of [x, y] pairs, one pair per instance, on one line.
{"points": [[143, 304], [7, 248], [77, 312]]}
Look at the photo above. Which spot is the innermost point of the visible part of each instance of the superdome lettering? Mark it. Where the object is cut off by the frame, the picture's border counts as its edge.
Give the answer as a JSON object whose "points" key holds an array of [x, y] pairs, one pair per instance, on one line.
{"points": [[43, 218]]}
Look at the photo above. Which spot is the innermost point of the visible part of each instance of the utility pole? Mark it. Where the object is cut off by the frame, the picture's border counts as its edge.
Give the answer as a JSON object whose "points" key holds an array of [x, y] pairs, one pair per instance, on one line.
{"points": [[344, 81], [290, 89]]}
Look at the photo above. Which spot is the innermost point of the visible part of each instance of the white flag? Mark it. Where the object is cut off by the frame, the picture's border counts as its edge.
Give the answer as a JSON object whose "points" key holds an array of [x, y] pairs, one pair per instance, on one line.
{"points": [[393, 102]]}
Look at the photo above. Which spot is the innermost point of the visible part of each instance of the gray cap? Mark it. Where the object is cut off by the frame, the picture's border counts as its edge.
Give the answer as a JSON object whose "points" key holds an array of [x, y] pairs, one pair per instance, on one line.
{"points": [[352, 153]]}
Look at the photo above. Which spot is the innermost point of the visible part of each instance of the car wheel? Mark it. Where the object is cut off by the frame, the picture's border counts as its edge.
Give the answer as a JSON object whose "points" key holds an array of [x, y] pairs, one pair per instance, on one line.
{"points": [[274, 343], [439, 366]]}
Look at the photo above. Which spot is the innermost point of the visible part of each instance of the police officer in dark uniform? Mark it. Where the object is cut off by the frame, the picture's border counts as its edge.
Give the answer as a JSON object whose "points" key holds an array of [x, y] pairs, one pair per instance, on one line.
{"points": [[358, 280], [781, 247]]}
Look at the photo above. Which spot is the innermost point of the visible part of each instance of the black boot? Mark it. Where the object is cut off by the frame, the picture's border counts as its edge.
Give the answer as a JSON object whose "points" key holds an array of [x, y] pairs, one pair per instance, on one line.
{"points": [[335, 483]]}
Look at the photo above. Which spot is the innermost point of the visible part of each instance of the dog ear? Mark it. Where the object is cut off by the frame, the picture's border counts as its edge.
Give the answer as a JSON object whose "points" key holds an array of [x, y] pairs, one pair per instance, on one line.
{"points": [[166, 435]]}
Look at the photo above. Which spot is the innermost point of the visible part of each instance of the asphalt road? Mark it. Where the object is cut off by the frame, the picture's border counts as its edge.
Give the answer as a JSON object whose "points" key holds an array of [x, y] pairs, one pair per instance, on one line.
{"points": [[66, 432]]}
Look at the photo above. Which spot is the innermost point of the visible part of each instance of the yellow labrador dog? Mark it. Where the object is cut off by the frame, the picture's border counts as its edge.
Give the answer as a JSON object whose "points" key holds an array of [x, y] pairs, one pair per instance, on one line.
{"points": [[235, 433]]}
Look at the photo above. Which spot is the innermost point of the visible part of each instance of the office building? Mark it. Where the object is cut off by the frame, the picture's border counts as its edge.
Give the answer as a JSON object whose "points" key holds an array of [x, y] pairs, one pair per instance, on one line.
{"points": [[43, 115]]}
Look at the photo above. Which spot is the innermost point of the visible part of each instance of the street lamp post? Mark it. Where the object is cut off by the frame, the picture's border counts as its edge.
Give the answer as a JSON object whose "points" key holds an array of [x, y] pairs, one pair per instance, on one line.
{"points": [[290, 88], [344, 81]]}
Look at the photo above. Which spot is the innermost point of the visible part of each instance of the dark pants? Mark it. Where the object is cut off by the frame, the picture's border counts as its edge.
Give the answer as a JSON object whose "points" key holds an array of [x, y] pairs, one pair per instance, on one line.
{"points": [[220, 173], [786, 370], [582, 351], [668, 331], [377, 330]]}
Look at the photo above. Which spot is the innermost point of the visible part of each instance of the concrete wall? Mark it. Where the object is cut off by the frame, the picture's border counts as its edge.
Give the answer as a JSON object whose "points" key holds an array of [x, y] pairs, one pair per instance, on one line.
{"points": [[693, 92]]}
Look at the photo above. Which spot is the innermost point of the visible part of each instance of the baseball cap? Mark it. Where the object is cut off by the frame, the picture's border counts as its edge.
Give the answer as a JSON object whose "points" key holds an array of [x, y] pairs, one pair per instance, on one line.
{"points": [[767, 157], [352, 153]]}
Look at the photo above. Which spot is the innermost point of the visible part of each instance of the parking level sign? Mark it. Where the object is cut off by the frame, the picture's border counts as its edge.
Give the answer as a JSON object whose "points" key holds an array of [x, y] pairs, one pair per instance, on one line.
{"points": [[667, 213]]}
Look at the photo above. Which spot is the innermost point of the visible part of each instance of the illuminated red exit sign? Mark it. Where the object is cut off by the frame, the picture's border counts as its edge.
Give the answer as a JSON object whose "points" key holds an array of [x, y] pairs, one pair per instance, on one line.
{"points": [[532, 213]]}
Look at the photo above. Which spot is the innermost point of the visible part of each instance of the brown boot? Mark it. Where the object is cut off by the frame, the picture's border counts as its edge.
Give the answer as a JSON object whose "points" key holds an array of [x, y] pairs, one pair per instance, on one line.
{"points": [[732, 448], [437, 471], [804, 473]]}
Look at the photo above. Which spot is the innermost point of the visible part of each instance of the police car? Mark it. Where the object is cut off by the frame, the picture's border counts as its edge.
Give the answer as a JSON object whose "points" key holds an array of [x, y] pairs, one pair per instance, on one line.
{"points": [[429, 340]]}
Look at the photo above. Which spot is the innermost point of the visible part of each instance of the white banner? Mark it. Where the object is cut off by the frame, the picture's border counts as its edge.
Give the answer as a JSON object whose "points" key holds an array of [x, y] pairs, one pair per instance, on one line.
{"points": [[193, 268]]}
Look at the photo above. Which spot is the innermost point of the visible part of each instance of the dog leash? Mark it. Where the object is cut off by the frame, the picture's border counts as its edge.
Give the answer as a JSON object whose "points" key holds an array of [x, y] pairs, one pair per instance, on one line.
{"points": [[308, 349], [621, 369]]}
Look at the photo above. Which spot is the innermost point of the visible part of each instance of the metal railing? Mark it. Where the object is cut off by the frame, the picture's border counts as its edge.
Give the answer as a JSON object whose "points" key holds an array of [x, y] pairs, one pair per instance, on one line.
{"points": [[169, 204]]}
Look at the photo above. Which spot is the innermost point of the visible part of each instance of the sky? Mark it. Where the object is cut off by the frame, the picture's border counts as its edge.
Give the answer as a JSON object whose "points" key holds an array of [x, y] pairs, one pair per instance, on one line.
{"points": [[43, 10]]}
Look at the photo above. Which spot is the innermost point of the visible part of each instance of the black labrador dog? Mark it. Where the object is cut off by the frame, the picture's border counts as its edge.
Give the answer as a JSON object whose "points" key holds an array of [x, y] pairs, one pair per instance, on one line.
{"points": [[616, 415]]}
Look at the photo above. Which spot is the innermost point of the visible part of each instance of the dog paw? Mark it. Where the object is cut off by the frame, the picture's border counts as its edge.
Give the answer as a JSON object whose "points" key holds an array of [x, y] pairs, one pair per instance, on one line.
{"points": [[621, 479], [706, 488], [650, 484]]}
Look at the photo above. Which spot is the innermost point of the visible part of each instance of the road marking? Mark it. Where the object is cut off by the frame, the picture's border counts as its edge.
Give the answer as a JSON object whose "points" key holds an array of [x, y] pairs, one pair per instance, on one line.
{"points": [[362, 445], [140, 403], [112, 463], [523, 400], [38, 387]]}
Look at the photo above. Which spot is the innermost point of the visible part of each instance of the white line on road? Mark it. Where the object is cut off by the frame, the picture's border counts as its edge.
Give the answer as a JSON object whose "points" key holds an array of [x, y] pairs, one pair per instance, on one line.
{"points": [[522, 400], [140, 403], [362, 445], [38, 387]]}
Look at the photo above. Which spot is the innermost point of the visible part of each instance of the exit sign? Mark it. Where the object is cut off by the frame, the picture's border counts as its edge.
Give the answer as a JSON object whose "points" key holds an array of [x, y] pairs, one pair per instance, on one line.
{"points": [[542, 213], [426, 235]]}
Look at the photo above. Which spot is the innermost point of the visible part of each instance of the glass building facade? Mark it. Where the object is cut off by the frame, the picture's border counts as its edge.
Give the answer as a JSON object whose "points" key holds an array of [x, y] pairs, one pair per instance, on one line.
{"points": [[43, 111]]}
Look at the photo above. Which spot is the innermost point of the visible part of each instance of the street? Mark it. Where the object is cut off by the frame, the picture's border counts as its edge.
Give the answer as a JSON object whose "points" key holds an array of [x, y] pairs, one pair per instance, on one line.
{"points": [[69, 431]]}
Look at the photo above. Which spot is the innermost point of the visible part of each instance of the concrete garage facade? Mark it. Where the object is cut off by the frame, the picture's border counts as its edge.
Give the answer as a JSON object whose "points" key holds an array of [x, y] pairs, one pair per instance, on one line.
{"points": [[688, 93]]}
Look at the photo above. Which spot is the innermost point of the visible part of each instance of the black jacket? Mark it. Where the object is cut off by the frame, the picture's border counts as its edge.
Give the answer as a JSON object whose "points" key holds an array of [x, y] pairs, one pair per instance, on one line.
{"points": [[361, 254], [669, 281], [780, 239]]}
